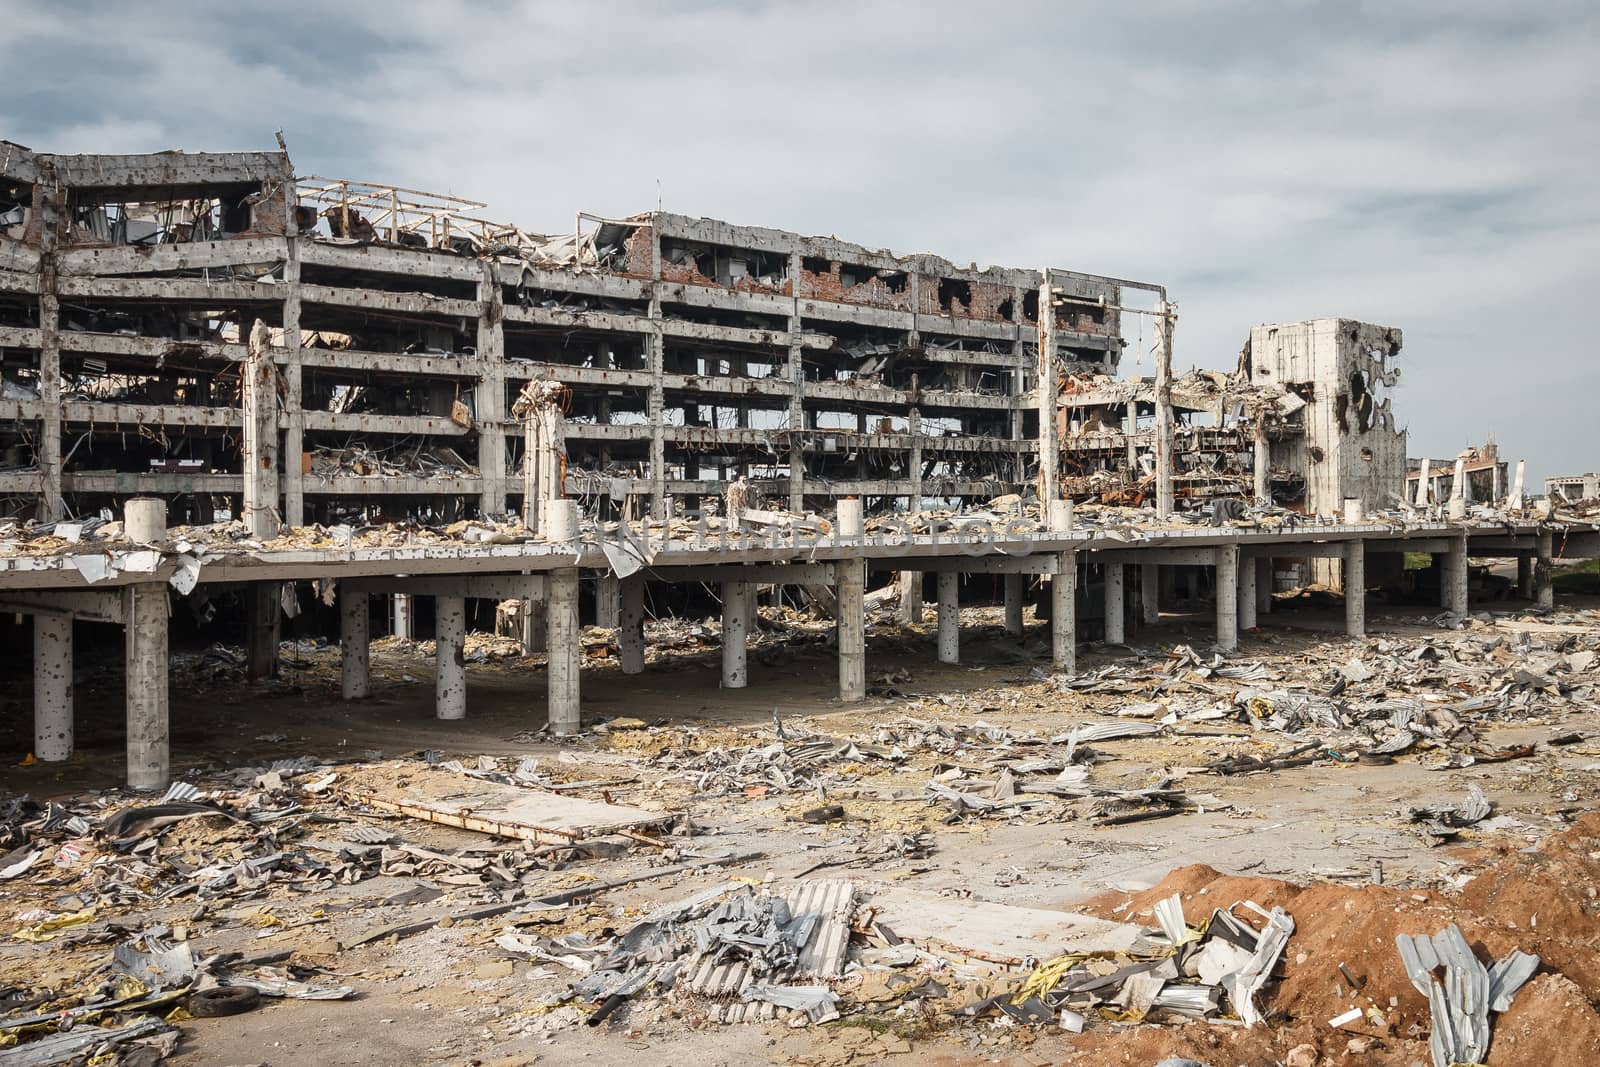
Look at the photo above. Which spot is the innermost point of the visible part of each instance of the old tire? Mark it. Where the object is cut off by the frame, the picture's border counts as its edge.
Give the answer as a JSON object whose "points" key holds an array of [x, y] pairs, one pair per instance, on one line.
{"points": [[223, 1000]]}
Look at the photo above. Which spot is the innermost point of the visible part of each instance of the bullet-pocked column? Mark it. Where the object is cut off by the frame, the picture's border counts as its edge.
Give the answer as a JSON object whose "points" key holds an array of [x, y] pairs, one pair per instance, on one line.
{"points": [[850, 588], [1116, 631], [1544, 589], [52, 687], [1227, 597], [450, 664], [1015, 585], [1150, 592], [564, 657], [354, 645], [1063, 594], [1355, 588], [949, 583], [1454, 591], [608, 602], [630, 638], [145, 637], [735, 634], [1247, 594]]}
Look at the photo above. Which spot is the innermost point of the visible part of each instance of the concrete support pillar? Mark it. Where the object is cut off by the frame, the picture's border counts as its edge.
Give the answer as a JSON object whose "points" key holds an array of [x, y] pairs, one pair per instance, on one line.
{"points": [[910, 598], [1227, 597], [565, 656], [1064, 613], [1263, 470], [1015, 586], [631, 637], [735, 634], [259, 441], [449, 655], [1263, 566], [145, 637], [949, 617], [354, 641], [1166, 323], [1525, 577], [1453, 586], [608, 602], [1116, 611], [263, 608], [401, 605], [1150, 592], [1544, 590], [850, 588], [52, 687], [144, 520], [1247, 594], [1355, 588]]}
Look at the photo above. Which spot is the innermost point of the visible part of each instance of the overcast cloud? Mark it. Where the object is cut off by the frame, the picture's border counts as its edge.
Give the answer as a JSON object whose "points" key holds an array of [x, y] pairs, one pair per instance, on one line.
{"points": [[1427, 166]]}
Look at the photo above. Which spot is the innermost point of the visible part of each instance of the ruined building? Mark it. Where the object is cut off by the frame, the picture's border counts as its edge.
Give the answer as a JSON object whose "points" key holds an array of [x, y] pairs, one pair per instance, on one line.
{"points": [[399, 332]]}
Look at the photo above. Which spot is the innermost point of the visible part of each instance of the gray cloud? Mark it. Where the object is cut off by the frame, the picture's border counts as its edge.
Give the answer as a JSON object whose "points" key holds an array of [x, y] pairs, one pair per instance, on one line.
{"points": [[1428, 166]]}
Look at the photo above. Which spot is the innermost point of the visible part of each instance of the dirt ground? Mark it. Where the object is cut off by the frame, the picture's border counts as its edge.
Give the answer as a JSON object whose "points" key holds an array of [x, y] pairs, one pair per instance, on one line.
{"points": [[1306, 837]]}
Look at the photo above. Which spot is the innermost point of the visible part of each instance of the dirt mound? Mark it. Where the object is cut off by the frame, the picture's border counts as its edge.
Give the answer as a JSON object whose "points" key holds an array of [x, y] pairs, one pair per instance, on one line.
{"points": [[1551, 1024], [1540, 901]]}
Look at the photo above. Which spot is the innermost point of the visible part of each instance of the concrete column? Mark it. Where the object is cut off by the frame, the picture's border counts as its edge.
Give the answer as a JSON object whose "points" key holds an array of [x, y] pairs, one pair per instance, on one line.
{"points": [[735, 634], [1014, 606], [631, 637], [1150, 592], [565, 656], [1544, 590], [1166, 322], [608, 602], [52, 687], [1049, 442], [1525, 577], [1453, 587], [1263, 470], [450, 665], [949, 617], [1064, 613], [354, 640], [1247, 594], [263, 608], [259, 441], [1263, 566], [401, 604], [144, 520], [1355, 588], [910, 598], [145, 637], [850, 582], [1227, 577], [1116, 631]]}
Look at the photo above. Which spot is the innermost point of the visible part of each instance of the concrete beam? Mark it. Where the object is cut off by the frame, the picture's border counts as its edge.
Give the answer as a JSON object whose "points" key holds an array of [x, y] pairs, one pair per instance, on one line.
{"points": [[470, 586], [89, 605], [1167, 557]]}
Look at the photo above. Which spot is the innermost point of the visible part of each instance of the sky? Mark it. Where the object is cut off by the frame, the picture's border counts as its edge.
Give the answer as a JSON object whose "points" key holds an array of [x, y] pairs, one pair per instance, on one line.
{"points": [[1423, 165]]}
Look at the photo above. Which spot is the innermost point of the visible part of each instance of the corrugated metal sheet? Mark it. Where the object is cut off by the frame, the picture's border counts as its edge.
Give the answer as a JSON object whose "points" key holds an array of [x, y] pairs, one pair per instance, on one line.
{"points": [[831, 902]]}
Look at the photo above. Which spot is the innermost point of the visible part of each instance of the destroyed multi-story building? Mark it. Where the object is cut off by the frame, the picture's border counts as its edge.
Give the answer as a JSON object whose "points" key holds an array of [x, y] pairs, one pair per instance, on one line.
{"points": [[1573, 487], [399, 332], [1485, 473]]}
